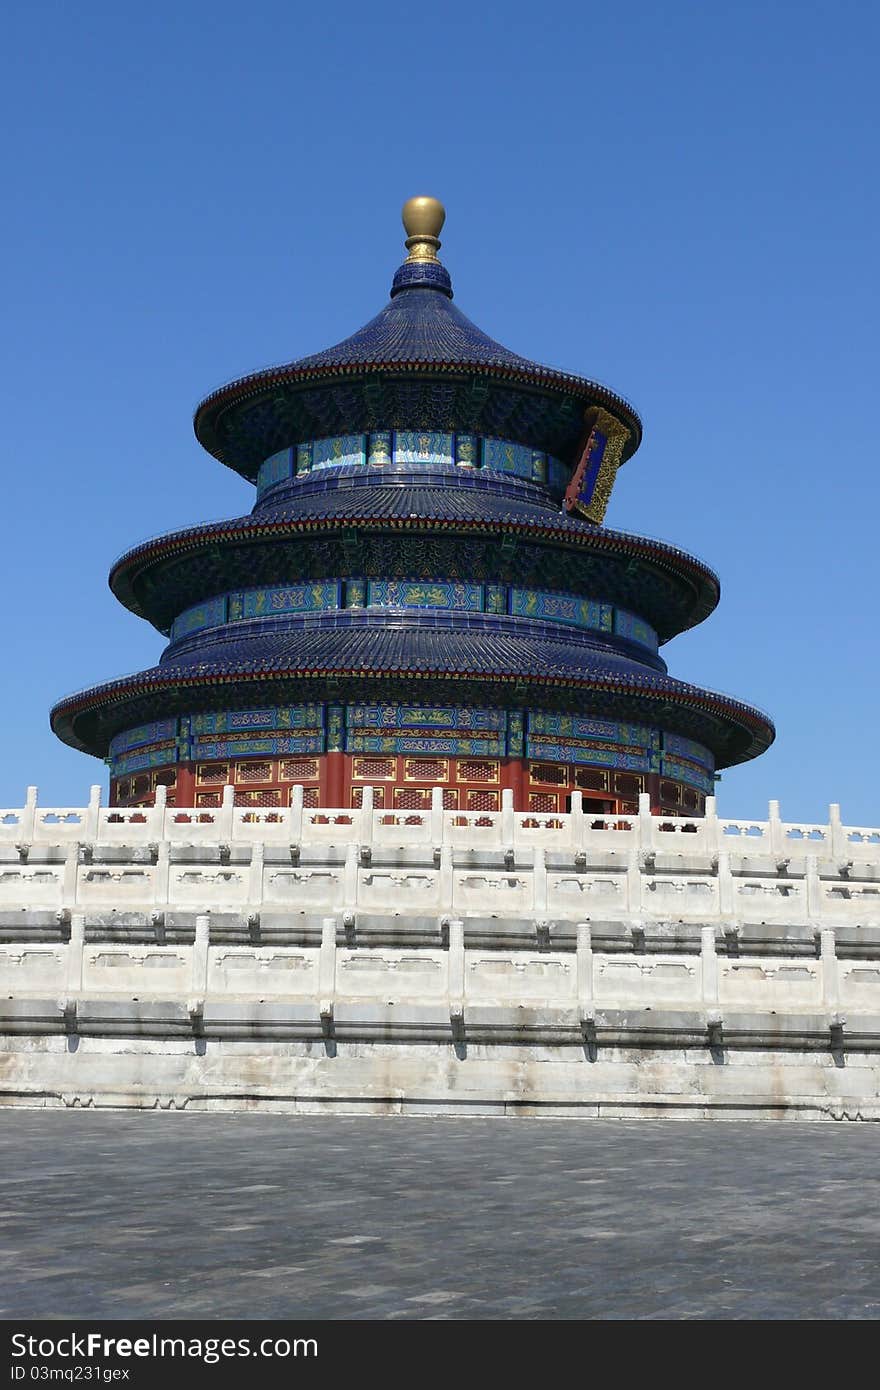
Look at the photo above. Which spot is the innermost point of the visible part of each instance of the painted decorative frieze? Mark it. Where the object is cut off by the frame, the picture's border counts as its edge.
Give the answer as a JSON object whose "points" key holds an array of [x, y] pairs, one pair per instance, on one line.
{"points": [[414, 448], [339, 450], [423, 446], [394, 593], [561, 608], [154, 732], [275, 470]]}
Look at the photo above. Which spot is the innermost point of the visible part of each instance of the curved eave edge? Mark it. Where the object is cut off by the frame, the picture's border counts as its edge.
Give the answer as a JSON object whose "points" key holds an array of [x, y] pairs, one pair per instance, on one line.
{"points": [[208, 413], [126, 571], [750, 720]]}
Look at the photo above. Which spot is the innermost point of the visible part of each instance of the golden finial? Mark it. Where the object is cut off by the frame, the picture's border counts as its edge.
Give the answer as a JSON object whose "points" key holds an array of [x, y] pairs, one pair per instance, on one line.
{"points": [[423, 219]]}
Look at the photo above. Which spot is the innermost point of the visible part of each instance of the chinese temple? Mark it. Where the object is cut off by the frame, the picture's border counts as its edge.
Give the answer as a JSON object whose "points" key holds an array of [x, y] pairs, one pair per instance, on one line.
{"points": [[424, 594]]}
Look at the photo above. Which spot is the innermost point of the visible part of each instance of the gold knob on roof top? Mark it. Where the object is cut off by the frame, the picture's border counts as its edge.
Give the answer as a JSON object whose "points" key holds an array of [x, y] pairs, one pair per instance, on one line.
{"points": [[423, 219], [423, 216]]}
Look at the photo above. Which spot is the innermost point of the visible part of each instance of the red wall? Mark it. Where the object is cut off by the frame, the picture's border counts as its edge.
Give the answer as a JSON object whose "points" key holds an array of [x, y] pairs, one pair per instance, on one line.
{"points": [[405, 782]]}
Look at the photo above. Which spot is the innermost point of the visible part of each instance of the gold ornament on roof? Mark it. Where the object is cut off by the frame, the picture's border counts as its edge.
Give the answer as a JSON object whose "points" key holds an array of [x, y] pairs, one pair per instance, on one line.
{"points": [[423, 219]]}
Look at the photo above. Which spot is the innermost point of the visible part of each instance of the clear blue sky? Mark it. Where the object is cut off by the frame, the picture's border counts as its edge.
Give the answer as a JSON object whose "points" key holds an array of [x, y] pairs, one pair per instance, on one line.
{"points": [[678, 199]]}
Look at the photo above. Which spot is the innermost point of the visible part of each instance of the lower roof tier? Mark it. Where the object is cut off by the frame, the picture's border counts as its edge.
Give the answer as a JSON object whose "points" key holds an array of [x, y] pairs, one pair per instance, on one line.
{"points": [[405, 752], [415, 527], [473, 667]]}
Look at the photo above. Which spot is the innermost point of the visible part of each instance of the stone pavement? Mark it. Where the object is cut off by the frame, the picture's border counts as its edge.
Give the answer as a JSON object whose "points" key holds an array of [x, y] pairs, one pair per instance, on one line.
{"points": [[157, 1215]]}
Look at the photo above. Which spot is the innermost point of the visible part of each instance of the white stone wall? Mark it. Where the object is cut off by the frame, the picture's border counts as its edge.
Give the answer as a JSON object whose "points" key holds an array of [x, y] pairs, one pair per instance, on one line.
{"points": [[509, 960]]}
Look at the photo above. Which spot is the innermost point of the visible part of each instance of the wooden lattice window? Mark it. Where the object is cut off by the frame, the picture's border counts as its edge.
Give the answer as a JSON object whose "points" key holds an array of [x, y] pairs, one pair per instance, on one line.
{"points": [[123, 790], [426, 769], [374, 769], [166, 778], [690, 798], [357, 797], [212, 772], [670, 793], [412, 798], [264, 798], [299, 769], [626, 784], [141, 785], [208, 798], [543, 801], [555, 773], [591, 779], [253, 772], [478, 770], [310, 796], [482, 801]]}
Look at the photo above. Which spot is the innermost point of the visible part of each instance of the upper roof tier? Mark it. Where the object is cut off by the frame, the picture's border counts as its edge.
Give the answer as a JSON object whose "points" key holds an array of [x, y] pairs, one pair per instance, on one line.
{"points": [[419, 364]]}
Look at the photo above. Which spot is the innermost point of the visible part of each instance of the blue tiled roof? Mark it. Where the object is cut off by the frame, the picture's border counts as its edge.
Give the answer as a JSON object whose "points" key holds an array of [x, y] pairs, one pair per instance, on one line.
{"points": [[420, 325], [428, 477], [370, 626], [408, 499], [405, 652], [390, 498], [419, 328], [441, 494], [408, 648]]}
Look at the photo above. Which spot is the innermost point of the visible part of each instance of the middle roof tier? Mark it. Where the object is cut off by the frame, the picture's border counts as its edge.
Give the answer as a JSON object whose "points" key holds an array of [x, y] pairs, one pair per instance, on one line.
{"points": [[415, 524]]}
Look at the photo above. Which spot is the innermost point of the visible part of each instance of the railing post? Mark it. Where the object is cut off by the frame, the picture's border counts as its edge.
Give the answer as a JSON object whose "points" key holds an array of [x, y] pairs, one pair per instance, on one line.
{"points": [[29, 816], [94, 807], [634, 864], [199, 980], [576, 821], [350, 878], [777, 836], [75, 953], [163, 874], [814, 892], [830, 969], [456, 975], [255, 884], [367, 798], [709, 963], [710, 820], [840, 849], [436, 817], [227, 818], [645, 823], [725, 886], [157, 815], [166, 820], [327, 970], [585, 973], [507, 820], [539, 880], [446, 885], [69, 878], [296, 816]]}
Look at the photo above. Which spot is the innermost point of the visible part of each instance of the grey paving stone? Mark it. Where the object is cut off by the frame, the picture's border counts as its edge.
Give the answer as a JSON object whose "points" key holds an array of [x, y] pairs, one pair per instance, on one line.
{"points": [[118, 1215]]}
